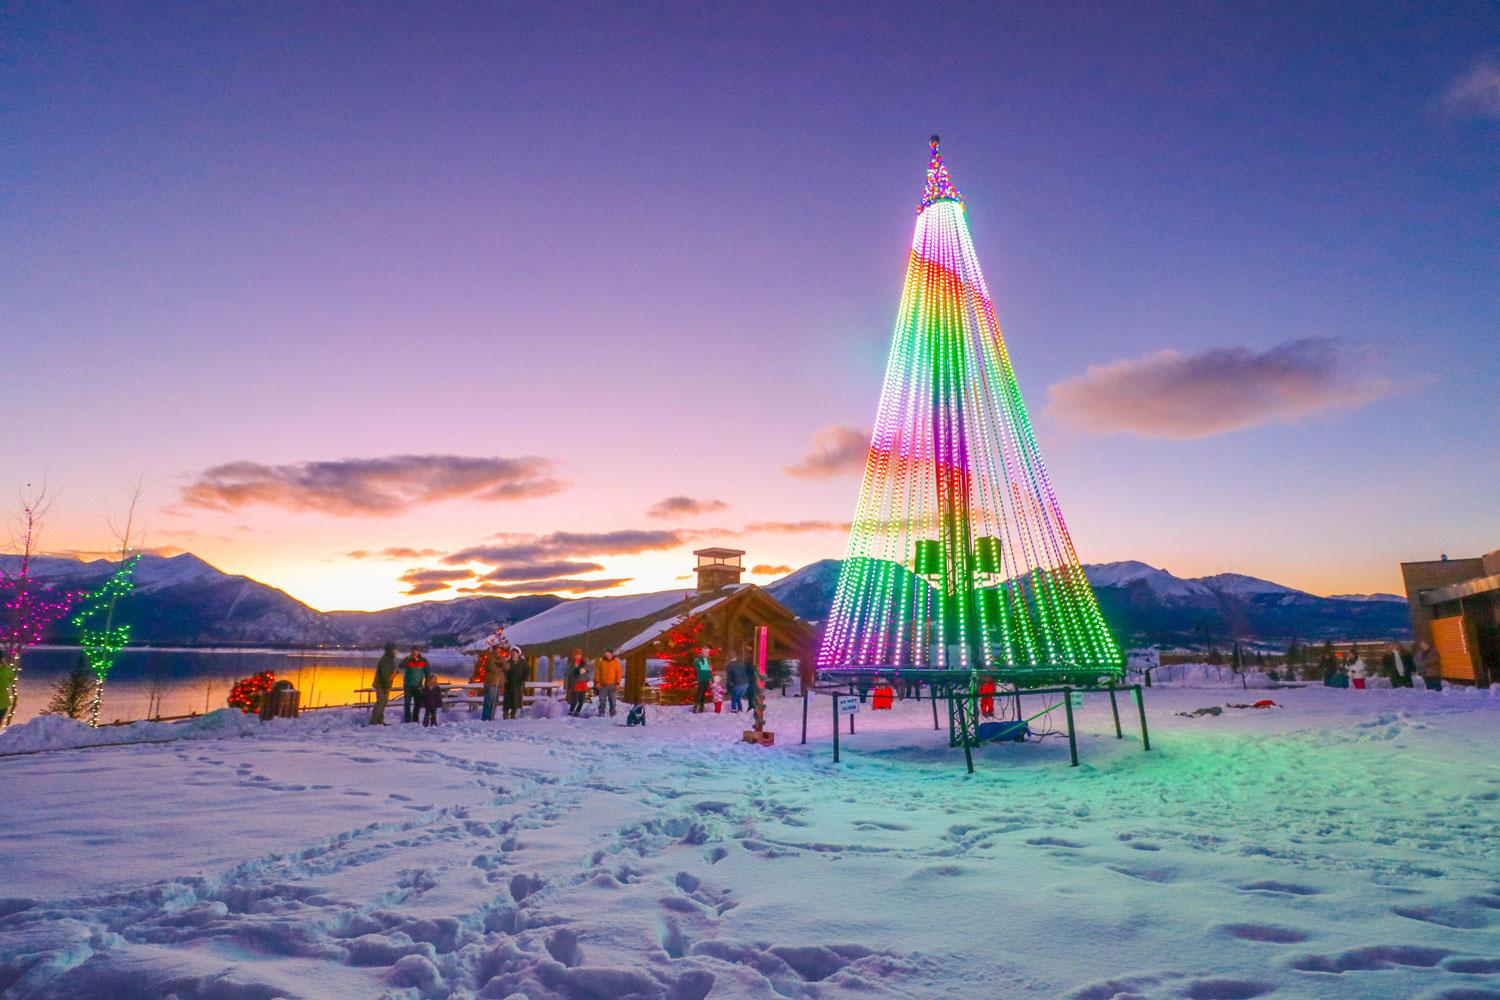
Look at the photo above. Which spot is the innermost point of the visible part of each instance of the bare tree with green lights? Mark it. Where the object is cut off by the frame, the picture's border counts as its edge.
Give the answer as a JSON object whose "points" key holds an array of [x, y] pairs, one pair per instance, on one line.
{"points": [[99, 635]]}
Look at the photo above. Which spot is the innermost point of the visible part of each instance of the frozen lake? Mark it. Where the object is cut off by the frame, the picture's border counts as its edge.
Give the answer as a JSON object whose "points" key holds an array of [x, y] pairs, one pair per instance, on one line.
{"points": [[184, 681]]}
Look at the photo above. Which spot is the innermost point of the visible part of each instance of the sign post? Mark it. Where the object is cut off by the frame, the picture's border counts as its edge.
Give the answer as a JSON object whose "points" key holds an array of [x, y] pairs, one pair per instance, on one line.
{"points": [[758, 734]]}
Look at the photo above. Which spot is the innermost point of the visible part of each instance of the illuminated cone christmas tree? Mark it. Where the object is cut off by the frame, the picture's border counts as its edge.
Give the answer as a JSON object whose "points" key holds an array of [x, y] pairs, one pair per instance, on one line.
{"points": [[959, 557]]}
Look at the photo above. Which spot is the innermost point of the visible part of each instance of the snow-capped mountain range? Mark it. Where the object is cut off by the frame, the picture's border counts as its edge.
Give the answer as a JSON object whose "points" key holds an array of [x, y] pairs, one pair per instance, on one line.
{"points": [[183, 600]]}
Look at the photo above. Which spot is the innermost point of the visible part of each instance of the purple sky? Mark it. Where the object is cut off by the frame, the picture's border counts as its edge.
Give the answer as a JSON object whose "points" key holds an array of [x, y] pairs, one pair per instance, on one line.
{"points": [[1246, 264]]}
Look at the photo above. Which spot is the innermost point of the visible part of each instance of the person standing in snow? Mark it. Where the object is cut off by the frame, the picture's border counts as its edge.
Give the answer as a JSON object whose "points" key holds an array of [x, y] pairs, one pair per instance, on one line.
{"points": [[1428, 665], [517, 673], [414, 675], [1358, 672], [495, 662], [704, 671], [607, 674], [737, 676], [385, 676], [432, 700], [577, 682]]}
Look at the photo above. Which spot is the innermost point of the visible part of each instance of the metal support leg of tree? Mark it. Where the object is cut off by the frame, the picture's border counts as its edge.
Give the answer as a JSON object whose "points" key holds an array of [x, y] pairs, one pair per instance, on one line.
{"points": [[1140, 704], [1067, 694]]}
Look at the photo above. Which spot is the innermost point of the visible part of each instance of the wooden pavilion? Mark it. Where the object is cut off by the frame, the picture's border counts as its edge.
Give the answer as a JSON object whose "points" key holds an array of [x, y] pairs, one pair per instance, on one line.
{"points": [[729, 623]]}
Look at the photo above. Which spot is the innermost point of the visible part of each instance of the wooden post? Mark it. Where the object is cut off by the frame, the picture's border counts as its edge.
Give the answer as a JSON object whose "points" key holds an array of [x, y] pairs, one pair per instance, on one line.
{"points": [[758, 734]]}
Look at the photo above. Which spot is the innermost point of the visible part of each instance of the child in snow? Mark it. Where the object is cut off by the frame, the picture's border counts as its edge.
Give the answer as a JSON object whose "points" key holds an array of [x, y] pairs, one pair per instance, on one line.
{"points": [[717, 690], [432, 700], [578, 683]]}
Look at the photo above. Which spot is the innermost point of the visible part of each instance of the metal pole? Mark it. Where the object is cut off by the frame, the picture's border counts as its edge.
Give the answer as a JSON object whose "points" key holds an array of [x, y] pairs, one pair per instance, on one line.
{"points": [[1115, 708], [804, 716], [1140, 703], [932, 689], [1072, 739], [835, 729], [964, 736]]}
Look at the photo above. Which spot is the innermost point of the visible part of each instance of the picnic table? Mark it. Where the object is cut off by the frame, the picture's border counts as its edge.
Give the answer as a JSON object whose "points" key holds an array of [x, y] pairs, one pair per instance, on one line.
{"points": [[470, 693]]}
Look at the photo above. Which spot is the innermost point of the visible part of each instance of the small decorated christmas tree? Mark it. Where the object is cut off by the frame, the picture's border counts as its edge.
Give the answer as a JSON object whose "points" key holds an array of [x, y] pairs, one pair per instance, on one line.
{"points": [[247, 693], [678, 647]]}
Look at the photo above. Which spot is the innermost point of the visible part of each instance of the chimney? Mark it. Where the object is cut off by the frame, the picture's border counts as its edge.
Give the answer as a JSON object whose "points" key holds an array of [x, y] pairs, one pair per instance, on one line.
{"points": [[718, 568]]}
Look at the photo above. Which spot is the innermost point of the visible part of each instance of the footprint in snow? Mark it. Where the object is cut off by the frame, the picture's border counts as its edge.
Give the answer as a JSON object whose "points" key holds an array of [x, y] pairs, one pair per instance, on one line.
{"points": [[1226, 989], [1264, 932], [1071, 845], [1159, 875], [1373, 958], [1284, 888], [1461, 917]]}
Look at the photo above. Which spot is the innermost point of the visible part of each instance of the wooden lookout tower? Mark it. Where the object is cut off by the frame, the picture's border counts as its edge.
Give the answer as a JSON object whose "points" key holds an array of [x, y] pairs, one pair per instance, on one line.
{"points": [[718, 568]]}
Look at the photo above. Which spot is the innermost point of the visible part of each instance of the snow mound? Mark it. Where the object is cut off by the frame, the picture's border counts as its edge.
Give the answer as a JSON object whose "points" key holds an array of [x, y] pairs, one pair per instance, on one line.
{"points": [[53, 732]]}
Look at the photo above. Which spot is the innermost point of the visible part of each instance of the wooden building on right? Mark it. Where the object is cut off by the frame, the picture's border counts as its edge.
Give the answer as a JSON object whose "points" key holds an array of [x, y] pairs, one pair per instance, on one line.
{"points": [[1455, 608]]}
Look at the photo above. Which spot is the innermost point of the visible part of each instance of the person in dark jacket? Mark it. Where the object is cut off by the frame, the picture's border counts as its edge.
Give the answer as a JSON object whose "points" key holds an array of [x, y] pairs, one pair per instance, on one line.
{"points": [[703, 671], [517, 673], [737, 677], [577, 682], [432, 700], [385, 676], [414, 674]]}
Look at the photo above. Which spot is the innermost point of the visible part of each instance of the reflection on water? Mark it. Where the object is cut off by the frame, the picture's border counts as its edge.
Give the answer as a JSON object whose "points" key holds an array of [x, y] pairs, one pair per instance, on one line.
{"points": [[146, 683]]}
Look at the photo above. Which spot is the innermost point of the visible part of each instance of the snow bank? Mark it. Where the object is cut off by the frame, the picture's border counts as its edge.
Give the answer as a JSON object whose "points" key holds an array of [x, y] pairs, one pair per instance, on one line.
{"points": [[52, 732], [1345, 845]]}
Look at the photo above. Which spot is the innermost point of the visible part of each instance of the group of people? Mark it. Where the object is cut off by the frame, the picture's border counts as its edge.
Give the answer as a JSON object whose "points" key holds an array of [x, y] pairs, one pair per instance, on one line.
{"points": [[503, 671], [501, 668], [741, 678], [607, 673], [1423, 665]]}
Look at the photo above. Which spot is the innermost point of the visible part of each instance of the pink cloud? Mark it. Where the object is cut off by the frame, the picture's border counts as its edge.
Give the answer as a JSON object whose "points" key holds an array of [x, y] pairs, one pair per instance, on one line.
{"points": [[1170, 394], [834, 451]]}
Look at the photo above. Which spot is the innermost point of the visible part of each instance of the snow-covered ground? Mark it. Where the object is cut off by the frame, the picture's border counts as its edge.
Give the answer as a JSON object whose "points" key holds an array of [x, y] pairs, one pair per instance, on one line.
{"points": [[1344, 846]]}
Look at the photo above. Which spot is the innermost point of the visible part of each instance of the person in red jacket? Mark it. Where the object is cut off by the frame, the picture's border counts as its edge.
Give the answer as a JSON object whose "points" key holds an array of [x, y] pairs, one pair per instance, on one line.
{"points": [[987, 698]]}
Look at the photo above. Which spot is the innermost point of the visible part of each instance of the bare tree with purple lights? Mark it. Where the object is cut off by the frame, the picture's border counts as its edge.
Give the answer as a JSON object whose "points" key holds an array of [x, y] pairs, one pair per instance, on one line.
{"points": [[30, 606]]}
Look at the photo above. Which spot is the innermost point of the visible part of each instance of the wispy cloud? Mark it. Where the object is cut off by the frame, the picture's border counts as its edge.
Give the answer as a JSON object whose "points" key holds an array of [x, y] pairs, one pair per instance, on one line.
{"points": [[834, 451], [680, 506], [430, 581], [537, 548], [540, 571], [1476, 94], [545, 587], [793, 527], [420, 589], [369, 487], [395, 553], [1170, 394], [766, 570]]}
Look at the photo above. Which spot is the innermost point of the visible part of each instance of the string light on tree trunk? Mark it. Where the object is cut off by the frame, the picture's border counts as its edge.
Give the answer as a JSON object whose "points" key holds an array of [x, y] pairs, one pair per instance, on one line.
{"points": [[102, 639]]}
